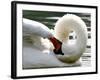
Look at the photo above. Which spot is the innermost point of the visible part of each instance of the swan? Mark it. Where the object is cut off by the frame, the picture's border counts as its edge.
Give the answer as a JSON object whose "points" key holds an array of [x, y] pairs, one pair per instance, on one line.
{"points": [[43, 49]]}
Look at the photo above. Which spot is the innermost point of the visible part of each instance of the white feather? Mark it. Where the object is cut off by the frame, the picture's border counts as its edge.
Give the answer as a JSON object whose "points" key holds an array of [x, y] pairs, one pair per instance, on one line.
{"points": [[63, 27]]}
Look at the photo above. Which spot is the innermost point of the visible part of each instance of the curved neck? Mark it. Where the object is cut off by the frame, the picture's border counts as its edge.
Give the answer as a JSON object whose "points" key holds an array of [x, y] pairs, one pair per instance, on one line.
{"points": [[63, 28], [81, 37]]}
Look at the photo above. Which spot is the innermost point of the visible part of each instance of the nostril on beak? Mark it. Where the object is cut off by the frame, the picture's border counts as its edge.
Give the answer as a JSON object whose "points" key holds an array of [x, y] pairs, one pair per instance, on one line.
{"points": [[57, 44]]}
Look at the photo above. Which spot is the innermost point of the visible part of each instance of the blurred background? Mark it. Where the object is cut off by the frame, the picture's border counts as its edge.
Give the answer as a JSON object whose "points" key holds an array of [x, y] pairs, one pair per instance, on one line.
{"points": [[50, 18]]}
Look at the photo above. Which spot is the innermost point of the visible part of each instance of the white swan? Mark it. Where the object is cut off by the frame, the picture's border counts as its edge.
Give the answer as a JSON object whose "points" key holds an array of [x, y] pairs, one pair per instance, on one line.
{"points": [[38, 52]]}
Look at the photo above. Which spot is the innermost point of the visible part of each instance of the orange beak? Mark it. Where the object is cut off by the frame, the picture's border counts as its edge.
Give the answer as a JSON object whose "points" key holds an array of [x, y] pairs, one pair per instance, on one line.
{"points": [[57, 44]]}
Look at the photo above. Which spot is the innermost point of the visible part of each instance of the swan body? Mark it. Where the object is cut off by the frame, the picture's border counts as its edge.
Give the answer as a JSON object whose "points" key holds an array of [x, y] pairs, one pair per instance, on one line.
{"points": [[38, 52]]}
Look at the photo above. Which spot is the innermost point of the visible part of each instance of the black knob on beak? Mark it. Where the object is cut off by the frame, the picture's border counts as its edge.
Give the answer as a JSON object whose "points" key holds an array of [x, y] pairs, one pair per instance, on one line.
{"points": [[58, 52]]}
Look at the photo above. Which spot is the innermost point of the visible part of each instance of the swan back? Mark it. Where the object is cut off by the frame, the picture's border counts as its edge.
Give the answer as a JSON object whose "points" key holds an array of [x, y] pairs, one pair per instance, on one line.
{"points": [[32, 27]]}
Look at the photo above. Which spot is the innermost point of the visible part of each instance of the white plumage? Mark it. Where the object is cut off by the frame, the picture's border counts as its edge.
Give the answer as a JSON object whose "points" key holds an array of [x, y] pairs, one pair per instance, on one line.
{"points": [[63, 27], [38, 52]]}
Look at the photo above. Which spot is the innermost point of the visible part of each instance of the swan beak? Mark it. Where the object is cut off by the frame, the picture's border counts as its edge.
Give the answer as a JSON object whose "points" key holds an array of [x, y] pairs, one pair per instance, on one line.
{"points": [[57, 44]]}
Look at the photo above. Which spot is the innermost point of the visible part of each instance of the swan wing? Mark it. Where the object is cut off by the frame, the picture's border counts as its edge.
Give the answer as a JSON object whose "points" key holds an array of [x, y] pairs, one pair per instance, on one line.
{"points": [[33, 58]]}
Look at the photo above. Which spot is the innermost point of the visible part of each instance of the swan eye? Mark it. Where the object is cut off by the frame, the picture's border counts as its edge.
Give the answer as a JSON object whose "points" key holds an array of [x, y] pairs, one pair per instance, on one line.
{"points": [[72, 35]]}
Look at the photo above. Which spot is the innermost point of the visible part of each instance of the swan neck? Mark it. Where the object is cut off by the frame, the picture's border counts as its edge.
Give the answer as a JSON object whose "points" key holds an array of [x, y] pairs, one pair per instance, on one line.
{"points": [[71, 23]]}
